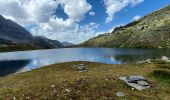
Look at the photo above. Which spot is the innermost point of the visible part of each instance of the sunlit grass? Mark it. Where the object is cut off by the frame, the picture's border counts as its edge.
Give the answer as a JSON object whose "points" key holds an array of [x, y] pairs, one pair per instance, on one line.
{"points": [[100, 81]]}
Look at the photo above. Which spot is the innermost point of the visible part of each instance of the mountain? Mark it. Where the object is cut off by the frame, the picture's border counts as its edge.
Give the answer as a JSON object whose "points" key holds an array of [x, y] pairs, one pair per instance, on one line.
{"points": [[10, 30], [47, 43], [151, 31], [12, 33], [67, 44]]}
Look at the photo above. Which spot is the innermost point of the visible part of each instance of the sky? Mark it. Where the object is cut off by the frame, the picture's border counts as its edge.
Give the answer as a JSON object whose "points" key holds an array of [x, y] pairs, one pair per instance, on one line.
{"points": [[76, 21]]}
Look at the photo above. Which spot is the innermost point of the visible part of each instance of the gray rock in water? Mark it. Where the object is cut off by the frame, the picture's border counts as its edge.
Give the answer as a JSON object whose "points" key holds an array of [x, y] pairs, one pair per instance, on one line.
{"points": [[137, 82], [120, 94]]}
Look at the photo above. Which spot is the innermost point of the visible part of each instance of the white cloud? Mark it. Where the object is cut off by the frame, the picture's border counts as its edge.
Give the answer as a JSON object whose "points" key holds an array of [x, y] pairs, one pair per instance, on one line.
{"points": [[135, 18], [75, 34], [76, 9], [114, 6], [92, 13], [38, 12]]}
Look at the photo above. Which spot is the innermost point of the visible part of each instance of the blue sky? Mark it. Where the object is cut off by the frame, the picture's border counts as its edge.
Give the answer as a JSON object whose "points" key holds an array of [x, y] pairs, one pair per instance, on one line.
{"points": [[125, 15], [76, 21]]}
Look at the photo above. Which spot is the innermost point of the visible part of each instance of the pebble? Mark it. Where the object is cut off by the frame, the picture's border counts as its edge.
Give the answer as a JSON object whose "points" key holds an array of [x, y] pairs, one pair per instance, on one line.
{"points": [[67, 90], [52, 86], [120, 94]]}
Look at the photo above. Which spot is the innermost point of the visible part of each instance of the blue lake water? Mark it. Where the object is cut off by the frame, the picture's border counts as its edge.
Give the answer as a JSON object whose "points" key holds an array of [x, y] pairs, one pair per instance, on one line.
{"points": [[12, 62]]}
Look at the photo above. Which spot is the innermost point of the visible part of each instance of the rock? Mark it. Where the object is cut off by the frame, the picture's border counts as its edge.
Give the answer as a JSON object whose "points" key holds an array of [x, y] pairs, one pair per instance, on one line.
{"points": [[140, 27], [28, 97], [83, 81], [133, 79], [141, 62], [120, 94], [80, 67], [143, 83], [52, 86], [164, 58], [67, 90], [149, 61], [137, 86], [13, 98], [146, 61], [137, 82]]}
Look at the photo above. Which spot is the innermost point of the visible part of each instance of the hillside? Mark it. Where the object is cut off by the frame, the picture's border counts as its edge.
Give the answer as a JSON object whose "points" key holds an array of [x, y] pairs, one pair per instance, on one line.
{"points": [[11, 31], [15, 37], [151, 31]]}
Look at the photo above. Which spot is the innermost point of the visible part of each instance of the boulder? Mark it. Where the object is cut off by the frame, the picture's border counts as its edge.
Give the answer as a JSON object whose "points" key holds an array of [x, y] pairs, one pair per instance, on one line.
{"points": [[164, 58], [137, 82]]}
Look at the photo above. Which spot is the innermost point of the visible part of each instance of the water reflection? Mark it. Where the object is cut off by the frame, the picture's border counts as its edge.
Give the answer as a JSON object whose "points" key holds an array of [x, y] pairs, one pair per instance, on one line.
{"points": [[142, 55], [14, 61], [8, 67]]}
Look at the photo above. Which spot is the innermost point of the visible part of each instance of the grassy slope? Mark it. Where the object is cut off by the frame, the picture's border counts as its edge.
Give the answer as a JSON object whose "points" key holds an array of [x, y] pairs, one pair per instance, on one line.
{"points": [[101, 82], [152, 31]]}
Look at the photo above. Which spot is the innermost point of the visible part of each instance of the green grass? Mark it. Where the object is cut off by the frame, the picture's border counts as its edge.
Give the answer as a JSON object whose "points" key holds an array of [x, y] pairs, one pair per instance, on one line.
{"points": [[99, 82], [162, 74], [164, 66]]}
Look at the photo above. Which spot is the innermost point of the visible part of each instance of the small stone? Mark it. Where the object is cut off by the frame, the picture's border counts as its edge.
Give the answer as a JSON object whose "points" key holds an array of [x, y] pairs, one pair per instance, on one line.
{"points": [[120, 94], [133, 88], [28, 97], [67, 90], [80, 67], [14, 98], [52, 86]]}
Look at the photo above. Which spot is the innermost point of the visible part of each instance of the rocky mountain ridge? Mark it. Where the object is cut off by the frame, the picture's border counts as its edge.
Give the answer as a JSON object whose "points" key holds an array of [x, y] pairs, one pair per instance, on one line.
{"points": [[151, 31]]}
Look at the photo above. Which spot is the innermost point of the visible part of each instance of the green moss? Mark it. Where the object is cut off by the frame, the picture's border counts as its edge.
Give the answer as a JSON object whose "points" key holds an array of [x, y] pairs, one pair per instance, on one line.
{"points": [[163, 76]]}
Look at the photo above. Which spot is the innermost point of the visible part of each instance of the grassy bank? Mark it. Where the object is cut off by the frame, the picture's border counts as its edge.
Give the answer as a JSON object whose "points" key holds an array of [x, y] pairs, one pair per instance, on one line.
{"points": [[100, 81], [19, 48]]}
